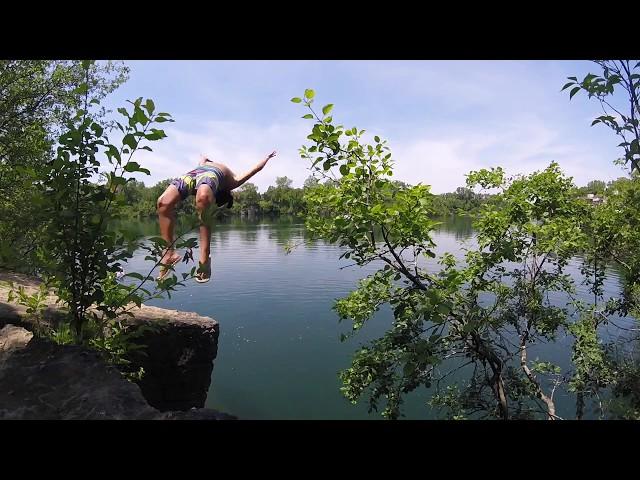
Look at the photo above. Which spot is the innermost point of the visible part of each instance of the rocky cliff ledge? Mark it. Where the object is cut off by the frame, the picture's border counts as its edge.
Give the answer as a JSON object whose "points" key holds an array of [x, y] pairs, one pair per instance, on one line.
{"points": [[43, 380], [180, 351]]}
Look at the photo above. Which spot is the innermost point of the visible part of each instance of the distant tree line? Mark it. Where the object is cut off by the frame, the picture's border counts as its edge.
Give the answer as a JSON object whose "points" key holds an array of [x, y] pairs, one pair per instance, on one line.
{"points": [[280, 199]]}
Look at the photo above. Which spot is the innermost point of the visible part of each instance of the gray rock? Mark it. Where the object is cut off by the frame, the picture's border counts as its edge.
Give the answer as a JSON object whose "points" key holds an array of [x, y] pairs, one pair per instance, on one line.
{"points": [[180, 348], [40, 380], [178, 358], [13, 338]]}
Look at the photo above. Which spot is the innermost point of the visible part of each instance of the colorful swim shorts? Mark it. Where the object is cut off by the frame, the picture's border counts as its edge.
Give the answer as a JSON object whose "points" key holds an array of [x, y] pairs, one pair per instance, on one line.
{"points": [[189, 182]]}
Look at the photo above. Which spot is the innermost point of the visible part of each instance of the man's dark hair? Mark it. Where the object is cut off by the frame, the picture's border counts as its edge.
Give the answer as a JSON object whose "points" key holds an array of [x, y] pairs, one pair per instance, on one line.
{"points": [[224, 197]]}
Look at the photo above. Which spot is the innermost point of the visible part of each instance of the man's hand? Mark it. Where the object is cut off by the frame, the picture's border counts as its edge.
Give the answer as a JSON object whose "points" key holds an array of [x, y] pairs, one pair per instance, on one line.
{"points": [[241, 179], [267, 158]]}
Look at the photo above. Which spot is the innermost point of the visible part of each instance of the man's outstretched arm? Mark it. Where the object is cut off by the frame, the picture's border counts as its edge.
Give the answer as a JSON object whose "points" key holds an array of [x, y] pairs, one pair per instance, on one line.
{"points": [[240, 179]]}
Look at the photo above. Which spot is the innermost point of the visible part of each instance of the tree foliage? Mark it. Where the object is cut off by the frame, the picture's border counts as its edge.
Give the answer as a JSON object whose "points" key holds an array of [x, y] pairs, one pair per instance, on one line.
{"points": [[481, 316]]}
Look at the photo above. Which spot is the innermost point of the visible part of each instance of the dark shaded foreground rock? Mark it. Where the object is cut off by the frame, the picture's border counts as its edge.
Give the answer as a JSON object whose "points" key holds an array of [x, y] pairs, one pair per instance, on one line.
{"points": [[178, 360], [41, 380]]}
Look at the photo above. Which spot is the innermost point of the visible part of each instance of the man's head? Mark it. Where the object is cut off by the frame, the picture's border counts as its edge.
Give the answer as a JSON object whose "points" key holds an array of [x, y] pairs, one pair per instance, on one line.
{"points": [[224, 197]]}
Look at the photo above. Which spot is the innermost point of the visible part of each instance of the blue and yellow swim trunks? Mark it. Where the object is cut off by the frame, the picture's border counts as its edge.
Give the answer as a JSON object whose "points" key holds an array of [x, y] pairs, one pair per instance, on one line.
{"points": [[189, 182]]}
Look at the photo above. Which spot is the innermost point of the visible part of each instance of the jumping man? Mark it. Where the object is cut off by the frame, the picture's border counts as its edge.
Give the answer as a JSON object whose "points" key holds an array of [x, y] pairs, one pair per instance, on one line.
{"points": [[210, 182]]}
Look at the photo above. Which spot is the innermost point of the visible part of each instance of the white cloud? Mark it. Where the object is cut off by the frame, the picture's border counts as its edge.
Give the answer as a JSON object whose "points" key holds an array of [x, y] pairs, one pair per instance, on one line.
{"points": [[524, 145], [437, 162]]}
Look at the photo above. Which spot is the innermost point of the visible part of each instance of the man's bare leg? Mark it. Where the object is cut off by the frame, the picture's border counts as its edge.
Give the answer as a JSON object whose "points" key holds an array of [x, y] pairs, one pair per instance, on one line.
{"points": [[204, 199], [166, 218]]}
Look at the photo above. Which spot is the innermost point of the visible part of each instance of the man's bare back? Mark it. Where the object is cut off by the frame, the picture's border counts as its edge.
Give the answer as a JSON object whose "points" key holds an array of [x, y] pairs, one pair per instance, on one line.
{"points": [[228, 179]]}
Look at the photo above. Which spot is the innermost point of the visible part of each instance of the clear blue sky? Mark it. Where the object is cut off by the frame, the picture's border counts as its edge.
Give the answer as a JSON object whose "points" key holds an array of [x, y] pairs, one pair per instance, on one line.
{"points": [[441, 118]]}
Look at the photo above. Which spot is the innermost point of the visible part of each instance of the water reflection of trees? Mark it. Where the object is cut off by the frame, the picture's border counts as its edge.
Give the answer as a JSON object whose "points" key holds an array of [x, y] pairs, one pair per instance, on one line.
{"points": [[461, 226], [150, 227], [248, 233], [283, 234], [282, 230]]}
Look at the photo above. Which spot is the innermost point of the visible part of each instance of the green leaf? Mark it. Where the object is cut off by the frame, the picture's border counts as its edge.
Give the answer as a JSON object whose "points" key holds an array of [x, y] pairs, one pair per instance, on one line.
{"points": [[150, 106], [135, 275], [567, 85], [377, 139], [81, 89], [309, 94], [344, 170], [129, 140], [140, 117], [118, 180], [155, 135], [296, 100], [573, 92], [443, 309], [327, 108], [308, 116], [97, 129], [132, 167]]}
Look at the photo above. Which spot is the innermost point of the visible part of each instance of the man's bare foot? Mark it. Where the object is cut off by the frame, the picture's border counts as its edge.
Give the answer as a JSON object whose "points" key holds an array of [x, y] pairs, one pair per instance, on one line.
{"points": [[170, 258]]}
